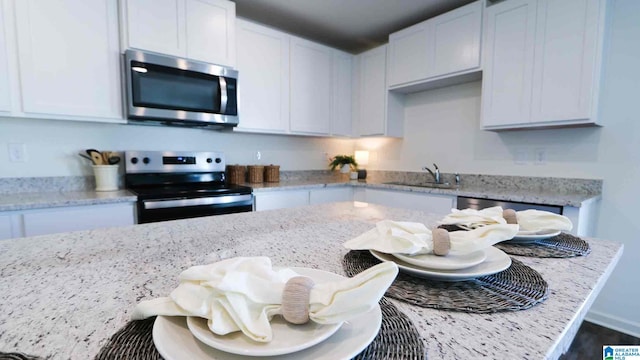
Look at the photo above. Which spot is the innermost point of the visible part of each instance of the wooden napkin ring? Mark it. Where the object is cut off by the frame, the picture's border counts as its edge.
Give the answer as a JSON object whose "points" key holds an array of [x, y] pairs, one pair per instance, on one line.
{"points": [[441, 242], [295, 299], [510, 216]]}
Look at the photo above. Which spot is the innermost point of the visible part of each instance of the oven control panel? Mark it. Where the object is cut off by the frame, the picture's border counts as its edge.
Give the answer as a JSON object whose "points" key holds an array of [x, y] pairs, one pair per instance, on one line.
{"points": [[173, 161]]}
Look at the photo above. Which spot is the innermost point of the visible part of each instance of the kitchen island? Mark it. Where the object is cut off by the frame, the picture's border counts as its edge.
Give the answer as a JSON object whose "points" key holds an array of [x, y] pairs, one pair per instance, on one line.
{"points": [[64, 295]]}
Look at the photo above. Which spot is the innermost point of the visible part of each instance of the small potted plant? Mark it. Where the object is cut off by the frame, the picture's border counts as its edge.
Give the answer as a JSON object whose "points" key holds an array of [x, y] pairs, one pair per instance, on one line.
{"points": [[346, 163]]}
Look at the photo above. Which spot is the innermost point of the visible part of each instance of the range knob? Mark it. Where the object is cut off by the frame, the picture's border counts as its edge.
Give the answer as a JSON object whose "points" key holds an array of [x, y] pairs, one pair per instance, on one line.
{"points": [[134, 160], [209, 161], [146, 160], [218, 160]]}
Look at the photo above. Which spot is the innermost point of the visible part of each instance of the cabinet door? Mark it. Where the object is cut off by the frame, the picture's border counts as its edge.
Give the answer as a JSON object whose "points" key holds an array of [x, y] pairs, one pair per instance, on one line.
{"points": [[69, 57], [455, 40], [157, 25], [211, 31], [5, 83], [264, 85], [508, 65], [409, 58], [565, 59], [6, 231], [323, 196], [373, 91], [341, 123], [311, 87], [280, 199], [440, 204], [41, 222]]}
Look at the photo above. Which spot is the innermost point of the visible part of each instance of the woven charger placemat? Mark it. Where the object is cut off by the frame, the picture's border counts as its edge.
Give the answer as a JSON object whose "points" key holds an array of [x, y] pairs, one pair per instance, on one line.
{"points": [[517, 288], [397, 339], [561, 246]]}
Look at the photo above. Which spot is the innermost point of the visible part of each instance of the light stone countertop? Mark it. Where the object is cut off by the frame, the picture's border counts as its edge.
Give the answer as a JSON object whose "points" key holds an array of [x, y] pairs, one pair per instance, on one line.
{"points": [[39, 200], [535, 196], [64, 295]]}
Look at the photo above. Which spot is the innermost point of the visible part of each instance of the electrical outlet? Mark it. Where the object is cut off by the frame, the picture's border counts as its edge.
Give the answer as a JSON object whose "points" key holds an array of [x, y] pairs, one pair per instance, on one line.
{"points": [[258, 155], [17, 152]]}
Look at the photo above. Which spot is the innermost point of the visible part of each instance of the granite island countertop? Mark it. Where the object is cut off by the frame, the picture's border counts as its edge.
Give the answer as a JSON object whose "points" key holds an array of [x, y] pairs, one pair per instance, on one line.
{"points": [[65, 295]]}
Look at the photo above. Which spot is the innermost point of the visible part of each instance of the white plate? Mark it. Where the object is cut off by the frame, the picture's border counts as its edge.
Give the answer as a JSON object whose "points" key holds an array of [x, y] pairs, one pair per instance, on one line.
{"points": [[495, 262], [287, 338], [174, 340], [527, 238], [448, 262]]}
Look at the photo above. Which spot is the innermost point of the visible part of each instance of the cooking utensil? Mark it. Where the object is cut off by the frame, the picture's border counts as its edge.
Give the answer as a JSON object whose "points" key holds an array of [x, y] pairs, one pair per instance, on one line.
{"points": [[85, 156], [96, 156], [114, 160]]}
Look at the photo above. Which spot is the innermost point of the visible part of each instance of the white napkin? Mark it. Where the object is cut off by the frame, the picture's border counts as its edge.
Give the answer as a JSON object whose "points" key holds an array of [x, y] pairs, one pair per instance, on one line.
{"points": [[537, 221], [411, 238], [530, 221], [473, 218], [244, 293]]}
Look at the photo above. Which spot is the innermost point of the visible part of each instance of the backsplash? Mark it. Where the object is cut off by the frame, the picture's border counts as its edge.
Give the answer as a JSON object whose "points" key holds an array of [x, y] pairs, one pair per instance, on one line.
{"points": [[47, 184]]}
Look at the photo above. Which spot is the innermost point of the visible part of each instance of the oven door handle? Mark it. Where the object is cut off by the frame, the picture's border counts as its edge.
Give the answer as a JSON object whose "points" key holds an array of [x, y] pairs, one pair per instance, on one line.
{"points": [[214, 200]]}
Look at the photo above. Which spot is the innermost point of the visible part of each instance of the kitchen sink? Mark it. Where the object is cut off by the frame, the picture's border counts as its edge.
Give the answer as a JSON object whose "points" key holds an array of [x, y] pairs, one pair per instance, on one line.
{"points": [[435, 185]]}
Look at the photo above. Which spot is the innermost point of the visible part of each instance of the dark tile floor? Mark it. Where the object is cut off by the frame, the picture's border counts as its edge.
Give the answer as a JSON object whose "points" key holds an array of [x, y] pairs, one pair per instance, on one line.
{"points": [[590, 338]]}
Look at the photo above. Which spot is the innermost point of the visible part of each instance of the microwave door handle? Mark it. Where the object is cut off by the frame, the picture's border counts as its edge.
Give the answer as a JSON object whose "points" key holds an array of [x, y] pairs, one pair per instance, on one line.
{"points": [[223, 95]]}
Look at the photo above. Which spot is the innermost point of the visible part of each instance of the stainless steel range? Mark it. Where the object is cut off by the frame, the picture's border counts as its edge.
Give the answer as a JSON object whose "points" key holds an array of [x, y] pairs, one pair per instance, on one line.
{"points": [[179, 185]]}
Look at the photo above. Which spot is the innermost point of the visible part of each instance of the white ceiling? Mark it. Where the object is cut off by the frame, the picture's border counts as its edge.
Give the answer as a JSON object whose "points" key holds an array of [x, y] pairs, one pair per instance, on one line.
{"points": [[350, 25]]}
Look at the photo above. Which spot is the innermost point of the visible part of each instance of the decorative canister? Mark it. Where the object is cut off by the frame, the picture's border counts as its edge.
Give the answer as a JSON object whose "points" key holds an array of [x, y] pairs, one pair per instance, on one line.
{"points": [[256, 173], [272, 173], [236, 174]]}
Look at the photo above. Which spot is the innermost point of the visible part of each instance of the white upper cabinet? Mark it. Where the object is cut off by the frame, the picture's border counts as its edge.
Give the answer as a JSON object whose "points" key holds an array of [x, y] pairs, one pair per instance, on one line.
{"points": [[454, 44], [380, 112], [311, 87], [289, 85], [68, 58], [372, 92], [341, 124], [409, 55], [543, 63], [157, 25], [566, 72], [508, 64], [202, 30], [440, 47], [211, 31], [264, 84]]}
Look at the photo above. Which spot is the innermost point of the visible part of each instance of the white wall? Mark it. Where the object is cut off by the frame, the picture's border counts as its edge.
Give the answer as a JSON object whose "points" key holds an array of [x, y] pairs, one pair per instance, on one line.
{"points": [[442, 126], [52, 145]]}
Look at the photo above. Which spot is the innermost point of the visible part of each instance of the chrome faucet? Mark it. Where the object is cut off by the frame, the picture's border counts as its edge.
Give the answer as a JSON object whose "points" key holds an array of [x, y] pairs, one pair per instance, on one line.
{"points": [[435, 174]]}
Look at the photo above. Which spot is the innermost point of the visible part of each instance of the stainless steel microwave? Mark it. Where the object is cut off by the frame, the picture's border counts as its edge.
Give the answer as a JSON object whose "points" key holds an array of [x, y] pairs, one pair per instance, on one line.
{"points": [[164, 90]]}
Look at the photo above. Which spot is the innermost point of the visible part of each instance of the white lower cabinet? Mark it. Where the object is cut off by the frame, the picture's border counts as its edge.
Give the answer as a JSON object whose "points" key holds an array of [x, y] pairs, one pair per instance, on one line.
{"points": [[441, 204], [64, 219], [6, 231], [294, 198], [280, 199], [323, 196]]}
